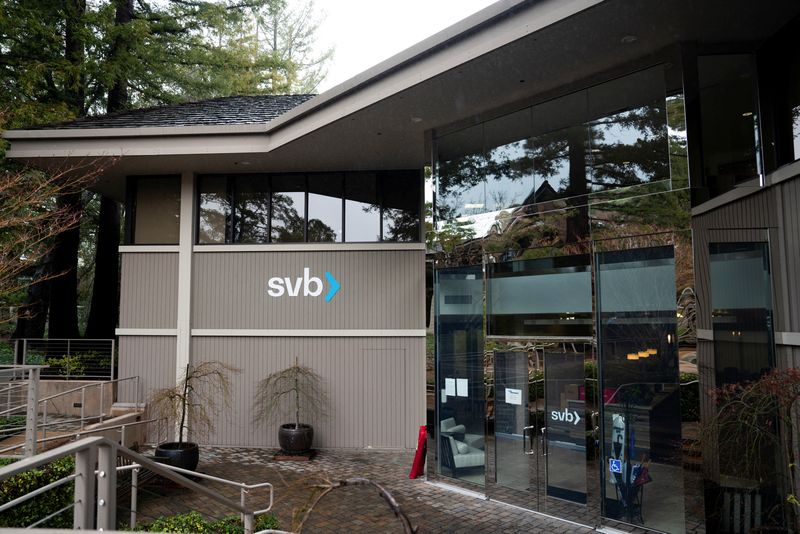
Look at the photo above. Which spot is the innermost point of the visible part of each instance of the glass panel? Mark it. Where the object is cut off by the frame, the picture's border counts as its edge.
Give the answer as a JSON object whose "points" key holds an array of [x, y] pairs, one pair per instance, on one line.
{"points": [[729, 118], [509, 167], [252, 209], [741, 301], [325, 207], [544, 297], [288, 208], [461, 188], [402, 197], [565, 406], [460, 373], [511, 415], [642, 471], [362, 210], [158, 209], [629, 131]]}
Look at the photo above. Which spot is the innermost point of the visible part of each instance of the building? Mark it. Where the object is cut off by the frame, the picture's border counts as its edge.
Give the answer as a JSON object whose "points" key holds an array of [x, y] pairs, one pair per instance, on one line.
{"points": [[630, 170]]}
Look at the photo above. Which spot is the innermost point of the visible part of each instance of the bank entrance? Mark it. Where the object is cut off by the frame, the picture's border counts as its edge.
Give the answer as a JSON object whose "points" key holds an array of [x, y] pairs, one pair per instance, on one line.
{"points": [[557, 383]]}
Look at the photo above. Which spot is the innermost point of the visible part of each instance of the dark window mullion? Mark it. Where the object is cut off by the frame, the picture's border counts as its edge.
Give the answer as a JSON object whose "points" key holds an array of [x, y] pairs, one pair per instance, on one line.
{"points": [[379, 177], [230, 230], [305, 215], [268, 179]]}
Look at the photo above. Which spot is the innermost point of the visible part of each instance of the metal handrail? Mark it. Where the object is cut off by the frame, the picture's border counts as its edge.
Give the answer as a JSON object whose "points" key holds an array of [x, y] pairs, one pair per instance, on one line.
{"points": [[77, 435], [106, 451], [96, 384]]}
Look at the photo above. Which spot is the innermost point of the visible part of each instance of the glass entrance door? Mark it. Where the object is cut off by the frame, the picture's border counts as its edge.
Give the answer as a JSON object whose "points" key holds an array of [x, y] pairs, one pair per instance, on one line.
{"points": [[544, 428]]}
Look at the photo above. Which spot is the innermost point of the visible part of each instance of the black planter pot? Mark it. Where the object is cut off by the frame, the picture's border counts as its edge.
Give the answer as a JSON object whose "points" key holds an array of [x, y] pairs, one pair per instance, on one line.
{"points": [[295, 440], [184, 455]]}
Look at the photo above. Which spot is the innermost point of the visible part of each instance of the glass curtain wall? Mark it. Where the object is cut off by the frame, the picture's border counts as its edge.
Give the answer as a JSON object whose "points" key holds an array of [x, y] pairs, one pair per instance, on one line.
{"points": [[461, 403], [637, 338]]}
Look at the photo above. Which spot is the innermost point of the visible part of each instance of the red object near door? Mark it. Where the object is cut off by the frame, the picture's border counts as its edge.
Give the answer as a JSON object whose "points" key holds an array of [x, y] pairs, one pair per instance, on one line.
{"points": [[418, 467]]}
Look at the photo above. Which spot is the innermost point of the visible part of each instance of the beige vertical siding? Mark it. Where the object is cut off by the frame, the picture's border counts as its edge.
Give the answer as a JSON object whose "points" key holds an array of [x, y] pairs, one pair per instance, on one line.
{"points": [[151, 358], [790, 242], [376, 387], [380, 290], [149, 290]]}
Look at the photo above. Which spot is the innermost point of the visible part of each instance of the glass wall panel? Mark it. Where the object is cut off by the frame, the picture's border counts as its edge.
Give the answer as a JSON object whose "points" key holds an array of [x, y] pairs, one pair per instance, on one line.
{"points": [[402, 198], [541, 297], [748, 444], [325, 207], [729, 115], [628, 126], [158, 209], [509, 166], [512, 413], [741, 301], [461, 168], [252, 209], [362, 211], [642, 469], [460, 373], [288, 208]]}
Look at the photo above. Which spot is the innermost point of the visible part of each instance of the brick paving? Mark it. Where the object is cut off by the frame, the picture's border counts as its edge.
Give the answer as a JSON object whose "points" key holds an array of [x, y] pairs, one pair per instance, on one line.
{"points": [[349, 509]]}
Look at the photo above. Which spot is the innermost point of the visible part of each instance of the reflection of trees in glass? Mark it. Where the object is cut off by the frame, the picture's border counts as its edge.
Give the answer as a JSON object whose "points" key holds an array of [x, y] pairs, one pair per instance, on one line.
{"points": [[400, 225], [287, 224], [214, 212], [252, 218], [319, 232]]}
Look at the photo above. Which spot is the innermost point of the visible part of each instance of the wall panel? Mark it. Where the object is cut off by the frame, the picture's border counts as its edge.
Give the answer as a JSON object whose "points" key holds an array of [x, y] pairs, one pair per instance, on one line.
{"points": [[376, 388], [379, 290], [149, 290], [151, 358]]}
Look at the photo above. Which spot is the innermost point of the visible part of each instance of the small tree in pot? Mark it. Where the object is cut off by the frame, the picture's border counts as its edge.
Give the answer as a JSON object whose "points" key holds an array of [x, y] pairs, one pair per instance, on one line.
{"points": [[195, 400], [297, 394]]}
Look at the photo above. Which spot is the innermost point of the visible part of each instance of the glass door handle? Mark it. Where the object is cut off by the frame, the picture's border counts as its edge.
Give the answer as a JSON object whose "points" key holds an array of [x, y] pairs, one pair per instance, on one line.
{"points": [[544, 441], [527, 431]]}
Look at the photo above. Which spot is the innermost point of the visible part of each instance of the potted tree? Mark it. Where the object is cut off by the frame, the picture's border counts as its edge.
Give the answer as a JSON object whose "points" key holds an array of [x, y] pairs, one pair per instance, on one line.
{"points": [[195, 400], [293, 394]]}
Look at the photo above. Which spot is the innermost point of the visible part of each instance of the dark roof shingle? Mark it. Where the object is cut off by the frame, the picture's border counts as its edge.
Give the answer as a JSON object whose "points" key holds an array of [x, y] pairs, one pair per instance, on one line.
{"points": [[213, 112]]}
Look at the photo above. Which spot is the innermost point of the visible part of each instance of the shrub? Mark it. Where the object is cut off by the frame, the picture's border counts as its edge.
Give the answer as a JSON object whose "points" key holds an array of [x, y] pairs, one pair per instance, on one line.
{"points": [[690, 398], [194, 522], [10, 422], [39, 507]]}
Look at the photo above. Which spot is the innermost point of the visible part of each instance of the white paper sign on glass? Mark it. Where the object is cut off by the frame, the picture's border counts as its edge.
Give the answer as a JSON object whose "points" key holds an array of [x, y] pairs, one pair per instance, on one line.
{"points": [[514, 396], [462, 387], [450, 387]]}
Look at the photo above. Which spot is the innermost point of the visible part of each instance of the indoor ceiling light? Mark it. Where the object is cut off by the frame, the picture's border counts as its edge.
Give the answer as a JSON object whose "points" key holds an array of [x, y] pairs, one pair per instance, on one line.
{"points": [[416, 119], [747, 114], [633, 356], [628, 39]]}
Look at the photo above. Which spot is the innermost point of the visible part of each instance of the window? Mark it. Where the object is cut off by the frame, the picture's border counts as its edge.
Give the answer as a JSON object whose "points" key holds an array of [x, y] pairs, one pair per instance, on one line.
{"points": [[313, 208], [155, 217]]}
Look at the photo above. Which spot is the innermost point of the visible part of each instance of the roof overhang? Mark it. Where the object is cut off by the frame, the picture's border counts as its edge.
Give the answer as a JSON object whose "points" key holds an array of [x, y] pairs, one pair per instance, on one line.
{"points": [[507, 53]]}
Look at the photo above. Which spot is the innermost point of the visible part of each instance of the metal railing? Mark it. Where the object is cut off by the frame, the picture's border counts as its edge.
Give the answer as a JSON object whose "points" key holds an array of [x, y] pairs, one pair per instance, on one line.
{"points": [[95, 496], [70, 359], [24, 378]]}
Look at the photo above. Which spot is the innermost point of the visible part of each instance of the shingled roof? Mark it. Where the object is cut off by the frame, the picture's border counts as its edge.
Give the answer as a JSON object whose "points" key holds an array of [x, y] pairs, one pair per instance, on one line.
{"points": [[216, 111]]}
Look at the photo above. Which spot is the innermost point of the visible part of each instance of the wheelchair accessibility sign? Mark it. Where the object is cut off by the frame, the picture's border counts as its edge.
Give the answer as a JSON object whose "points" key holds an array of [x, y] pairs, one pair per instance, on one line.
{"points": [[615, 466]]}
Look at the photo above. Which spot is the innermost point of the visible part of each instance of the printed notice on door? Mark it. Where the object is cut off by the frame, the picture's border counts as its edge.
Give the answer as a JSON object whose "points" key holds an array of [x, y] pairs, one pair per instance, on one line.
{"points": [[514, 396]]}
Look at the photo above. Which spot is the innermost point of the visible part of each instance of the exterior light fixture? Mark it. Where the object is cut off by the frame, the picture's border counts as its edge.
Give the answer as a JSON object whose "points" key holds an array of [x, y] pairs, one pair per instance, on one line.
{"points": [[669, 338], [629, 39], [416, 119], [747, 114]]}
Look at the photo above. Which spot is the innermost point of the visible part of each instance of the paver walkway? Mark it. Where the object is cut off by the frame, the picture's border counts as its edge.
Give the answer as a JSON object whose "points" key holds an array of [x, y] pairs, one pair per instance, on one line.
{"points": [[349, 509]]}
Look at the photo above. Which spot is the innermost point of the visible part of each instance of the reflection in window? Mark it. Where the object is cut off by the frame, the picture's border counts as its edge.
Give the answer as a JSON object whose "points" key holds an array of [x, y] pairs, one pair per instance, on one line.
{"points": [[252, 209], [741, 317], [215, 210], [288, 208], [401, 217], [729, 120], [641, 399], [460, 174], [509, 168], [362, 210], [325, 208], [157, 210]]}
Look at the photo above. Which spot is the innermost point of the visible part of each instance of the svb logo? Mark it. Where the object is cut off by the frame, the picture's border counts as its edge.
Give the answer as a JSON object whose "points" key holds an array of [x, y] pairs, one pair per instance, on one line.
{"points": [[312, 286]]}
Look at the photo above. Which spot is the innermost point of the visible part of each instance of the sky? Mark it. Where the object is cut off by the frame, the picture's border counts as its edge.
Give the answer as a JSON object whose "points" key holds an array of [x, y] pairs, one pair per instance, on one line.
{"points": [[366, 32]]}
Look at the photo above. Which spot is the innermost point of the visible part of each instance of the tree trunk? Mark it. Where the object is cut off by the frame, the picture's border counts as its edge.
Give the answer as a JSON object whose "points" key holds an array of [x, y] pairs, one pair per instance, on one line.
{"points": [[118, 93], [64, 286], [75, 84], [105, 289], [32, 314], [578, 222]]}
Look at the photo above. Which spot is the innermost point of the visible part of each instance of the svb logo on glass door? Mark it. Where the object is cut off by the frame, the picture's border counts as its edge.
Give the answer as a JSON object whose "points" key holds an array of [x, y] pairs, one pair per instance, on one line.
{"points": [[305, 286]]}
